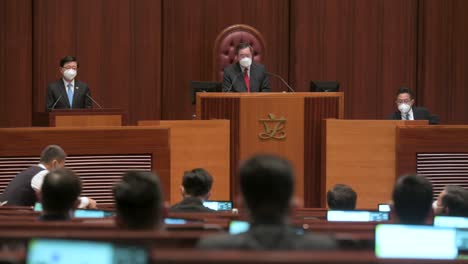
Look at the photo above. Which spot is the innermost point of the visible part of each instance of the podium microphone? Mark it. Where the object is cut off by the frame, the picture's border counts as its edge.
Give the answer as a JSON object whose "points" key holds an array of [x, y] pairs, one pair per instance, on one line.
{"points": [[282, 80], [55, 103], [94, 101], [232, 83]]}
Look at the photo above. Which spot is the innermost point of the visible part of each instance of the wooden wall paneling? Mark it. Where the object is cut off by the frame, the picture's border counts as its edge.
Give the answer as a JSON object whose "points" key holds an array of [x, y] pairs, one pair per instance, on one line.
{"points": [[442, 59], [368, 46], [190, 29], [15, 63]]}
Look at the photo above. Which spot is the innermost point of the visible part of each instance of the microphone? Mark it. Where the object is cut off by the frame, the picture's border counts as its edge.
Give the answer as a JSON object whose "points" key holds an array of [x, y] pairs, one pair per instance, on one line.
{"points": [[232, 83], [55, 103], [94, 101], [282, 80]]}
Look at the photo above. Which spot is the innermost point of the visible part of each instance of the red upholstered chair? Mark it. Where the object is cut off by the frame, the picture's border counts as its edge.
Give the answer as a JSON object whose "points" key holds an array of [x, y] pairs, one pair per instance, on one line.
{"points": [[226, 42]]}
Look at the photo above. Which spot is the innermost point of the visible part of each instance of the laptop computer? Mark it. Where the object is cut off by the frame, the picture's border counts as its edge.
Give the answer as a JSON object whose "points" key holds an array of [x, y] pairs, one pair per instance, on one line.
{"points": [[58, 251], [415, 241], [218, 205], [357, 216]]}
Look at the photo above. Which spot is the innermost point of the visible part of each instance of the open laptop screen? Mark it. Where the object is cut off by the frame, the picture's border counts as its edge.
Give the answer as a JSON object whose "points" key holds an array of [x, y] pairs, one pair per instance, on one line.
{"points": [[357, 216], [451, 221], [60, 251], [414, 241], [218, 205]]}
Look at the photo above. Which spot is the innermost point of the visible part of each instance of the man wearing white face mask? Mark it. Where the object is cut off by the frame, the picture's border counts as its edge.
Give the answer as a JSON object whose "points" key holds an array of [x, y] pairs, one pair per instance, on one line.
{"points": [[245, 75], [68, 93], [406, 110]]}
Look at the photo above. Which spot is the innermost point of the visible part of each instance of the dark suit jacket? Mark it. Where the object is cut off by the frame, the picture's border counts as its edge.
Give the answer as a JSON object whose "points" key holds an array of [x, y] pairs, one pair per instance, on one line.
{"points": [[19, 191], [258, 79], [57, 89], [269, 237], [190, 204], [419, 113]]}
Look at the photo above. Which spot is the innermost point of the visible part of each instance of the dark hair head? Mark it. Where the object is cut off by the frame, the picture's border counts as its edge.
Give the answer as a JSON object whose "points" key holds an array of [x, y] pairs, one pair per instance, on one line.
{"points": [[267, 185], [52, 152], [68, 59], [60, 190], [403, 90], [341, 197], [139, 200], [412, 199], [242, 46], [197, 182], [455, 201]]}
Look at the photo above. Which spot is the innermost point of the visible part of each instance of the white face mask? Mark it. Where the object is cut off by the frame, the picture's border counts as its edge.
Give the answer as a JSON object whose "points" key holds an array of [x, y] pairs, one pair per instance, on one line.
{"points": [[246, 62], [404, 108], [69, 74]]}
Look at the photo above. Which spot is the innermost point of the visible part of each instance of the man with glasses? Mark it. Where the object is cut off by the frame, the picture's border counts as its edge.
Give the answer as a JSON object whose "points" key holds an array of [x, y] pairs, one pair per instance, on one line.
{"points": [[407, 110], [68, 93], [245, 75]]}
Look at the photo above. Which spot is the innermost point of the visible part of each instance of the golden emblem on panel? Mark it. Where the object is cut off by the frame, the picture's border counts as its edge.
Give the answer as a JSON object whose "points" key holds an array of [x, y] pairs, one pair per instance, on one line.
{"points": [[273, 127]]}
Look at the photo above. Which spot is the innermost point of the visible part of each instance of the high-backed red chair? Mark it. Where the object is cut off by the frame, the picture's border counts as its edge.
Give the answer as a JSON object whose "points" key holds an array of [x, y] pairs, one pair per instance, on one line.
{"points": [[226, 42]]}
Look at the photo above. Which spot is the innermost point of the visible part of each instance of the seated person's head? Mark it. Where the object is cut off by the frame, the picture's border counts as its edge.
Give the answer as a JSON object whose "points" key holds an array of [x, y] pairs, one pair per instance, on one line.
{"points": [[452, 201], [53, 157], [60, 191], [139, 201], [412, 199], [267, 186], [197, 183], [341, 197]]}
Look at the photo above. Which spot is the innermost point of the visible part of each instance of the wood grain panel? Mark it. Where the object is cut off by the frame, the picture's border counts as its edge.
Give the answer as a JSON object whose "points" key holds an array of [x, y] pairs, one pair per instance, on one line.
{"points": [[15, 63], [443, 59], [190, 29], [117, 43], [198, 144], [369, 46], [362, 154], [255, 109]]}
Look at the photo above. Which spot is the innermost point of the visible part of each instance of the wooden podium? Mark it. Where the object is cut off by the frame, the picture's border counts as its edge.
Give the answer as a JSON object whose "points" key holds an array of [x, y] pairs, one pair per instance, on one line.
{"points": [[80, 118], [287, 124]]}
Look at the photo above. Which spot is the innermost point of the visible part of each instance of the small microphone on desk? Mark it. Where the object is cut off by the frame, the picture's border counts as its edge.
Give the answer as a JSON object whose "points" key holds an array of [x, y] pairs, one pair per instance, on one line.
{"points": [[232, 83], [94, 101], [282, 80], [55, 103]]}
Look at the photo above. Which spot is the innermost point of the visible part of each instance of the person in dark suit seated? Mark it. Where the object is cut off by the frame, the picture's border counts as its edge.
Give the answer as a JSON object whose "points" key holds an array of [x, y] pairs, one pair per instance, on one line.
{"points": [[407, 110], [59, 195], [20, 191], [267, 186], [452, 201], [68, 93], [412, 200], [196, 188], [139, 201], [245, 75], [341, 197]]}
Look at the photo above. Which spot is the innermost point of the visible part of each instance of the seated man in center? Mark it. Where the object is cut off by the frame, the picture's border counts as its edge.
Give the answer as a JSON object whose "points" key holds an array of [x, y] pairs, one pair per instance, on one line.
{"points": [[245, 75], [341, 197], [196, 188], [267, 187]]}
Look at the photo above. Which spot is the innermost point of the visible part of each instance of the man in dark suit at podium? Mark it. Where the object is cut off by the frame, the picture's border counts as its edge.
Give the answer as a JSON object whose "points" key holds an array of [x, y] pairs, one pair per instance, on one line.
{"points": [[406, 110], [245, 75], [68, 93]]}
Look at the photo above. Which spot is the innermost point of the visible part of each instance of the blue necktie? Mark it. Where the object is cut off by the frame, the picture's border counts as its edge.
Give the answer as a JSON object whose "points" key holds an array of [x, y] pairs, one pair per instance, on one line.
{"points": [[70, 94]]}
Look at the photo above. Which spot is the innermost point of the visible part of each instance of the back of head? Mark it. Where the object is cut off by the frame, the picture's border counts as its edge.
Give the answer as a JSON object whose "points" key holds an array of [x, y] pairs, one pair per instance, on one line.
{"points": [[52, 152], [341, 197], [412, 198], [267, 185], [403, 90], [455, 201], [60, 191], [138, 200], [197, 182]]}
